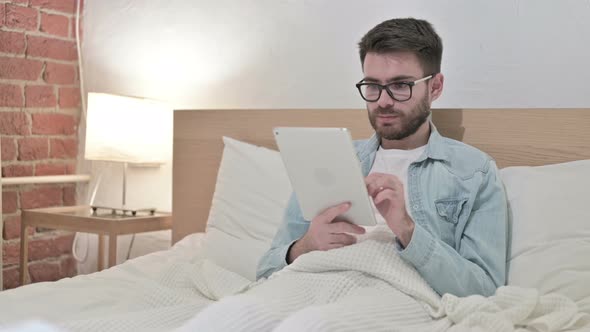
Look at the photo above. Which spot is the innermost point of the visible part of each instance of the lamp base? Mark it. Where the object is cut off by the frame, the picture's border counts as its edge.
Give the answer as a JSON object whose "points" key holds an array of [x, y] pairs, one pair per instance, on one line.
{"points": [[121, 212]]}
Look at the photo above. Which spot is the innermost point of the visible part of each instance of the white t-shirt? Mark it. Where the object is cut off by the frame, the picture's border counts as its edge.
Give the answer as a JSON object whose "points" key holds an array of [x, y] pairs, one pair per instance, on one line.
{"points": [[396, 162]]}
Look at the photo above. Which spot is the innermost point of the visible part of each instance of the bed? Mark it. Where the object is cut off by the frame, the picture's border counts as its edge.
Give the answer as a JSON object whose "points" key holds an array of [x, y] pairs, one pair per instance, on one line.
{"points": [[231, 189]]}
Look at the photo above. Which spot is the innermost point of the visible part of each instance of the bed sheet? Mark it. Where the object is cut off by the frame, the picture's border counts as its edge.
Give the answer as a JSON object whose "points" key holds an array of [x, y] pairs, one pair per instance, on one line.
{"points": [[152, 292]]}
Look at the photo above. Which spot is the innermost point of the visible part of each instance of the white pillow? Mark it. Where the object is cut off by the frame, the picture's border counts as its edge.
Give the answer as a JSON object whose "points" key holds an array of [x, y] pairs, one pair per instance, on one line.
{"points": [[250, 198], [550, 214]]}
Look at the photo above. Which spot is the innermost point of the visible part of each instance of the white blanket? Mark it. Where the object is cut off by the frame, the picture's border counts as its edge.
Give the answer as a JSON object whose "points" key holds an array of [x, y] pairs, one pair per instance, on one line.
{"points": [[513, 308], [362, 287], [157, 292], [367, 286]]}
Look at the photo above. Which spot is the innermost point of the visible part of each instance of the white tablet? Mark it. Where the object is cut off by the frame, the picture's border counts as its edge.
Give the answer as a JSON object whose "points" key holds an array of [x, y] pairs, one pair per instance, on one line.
{"points": [[324, 171]]}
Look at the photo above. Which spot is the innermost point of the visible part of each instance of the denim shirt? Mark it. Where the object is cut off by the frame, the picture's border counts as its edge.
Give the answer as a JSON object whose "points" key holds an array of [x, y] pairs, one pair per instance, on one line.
{"points": [[459, 208]]}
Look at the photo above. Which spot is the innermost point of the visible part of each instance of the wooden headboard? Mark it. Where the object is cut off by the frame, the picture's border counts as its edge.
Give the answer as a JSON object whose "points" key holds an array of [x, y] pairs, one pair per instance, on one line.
{"points": [[513, 137]]}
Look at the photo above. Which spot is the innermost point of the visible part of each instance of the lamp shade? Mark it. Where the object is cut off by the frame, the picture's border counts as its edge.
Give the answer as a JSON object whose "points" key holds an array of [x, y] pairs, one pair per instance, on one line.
{"points": [[127, 129]]}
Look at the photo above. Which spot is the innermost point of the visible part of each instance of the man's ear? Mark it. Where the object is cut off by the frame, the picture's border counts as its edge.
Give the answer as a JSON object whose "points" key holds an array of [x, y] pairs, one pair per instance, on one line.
{"points": [[436, 86]]}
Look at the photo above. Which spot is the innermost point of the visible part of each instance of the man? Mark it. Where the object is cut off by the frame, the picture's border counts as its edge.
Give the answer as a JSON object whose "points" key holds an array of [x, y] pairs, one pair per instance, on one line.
{"points": [[442, 199]]}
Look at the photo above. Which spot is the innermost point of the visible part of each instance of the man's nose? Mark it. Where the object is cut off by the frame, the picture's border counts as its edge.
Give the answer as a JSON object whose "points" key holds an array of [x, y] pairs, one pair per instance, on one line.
{"points": [[385, 100]]}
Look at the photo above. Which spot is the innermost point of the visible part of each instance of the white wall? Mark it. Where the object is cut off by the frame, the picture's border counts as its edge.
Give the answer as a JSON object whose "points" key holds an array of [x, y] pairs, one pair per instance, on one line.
{"points": [[303, 54]]}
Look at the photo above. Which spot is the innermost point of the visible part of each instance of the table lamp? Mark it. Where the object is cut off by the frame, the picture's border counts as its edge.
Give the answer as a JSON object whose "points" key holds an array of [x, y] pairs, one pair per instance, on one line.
{"points": [[127, 130]]}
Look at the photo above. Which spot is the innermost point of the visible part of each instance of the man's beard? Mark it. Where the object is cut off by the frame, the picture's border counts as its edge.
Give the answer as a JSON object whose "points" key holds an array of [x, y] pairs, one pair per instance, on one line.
{"points": [[408, 123]]}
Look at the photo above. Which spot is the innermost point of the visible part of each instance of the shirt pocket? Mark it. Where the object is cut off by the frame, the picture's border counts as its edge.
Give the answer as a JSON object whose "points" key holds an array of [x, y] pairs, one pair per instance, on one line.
{"points": [[449, 209]]}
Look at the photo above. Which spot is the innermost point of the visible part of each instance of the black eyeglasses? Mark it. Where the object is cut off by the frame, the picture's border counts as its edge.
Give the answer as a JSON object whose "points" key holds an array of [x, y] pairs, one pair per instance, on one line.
{"points": [[400, 91]]}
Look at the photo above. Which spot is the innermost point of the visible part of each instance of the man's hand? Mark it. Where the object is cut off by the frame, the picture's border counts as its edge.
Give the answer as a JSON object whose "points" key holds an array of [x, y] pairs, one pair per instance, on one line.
{"points": [[387, 192], [326, 232]]}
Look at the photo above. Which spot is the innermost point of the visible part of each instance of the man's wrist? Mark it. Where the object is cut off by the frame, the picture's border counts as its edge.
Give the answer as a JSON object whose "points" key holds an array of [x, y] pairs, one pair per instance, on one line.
{"points": [[295, 250], [290, 258], [406, 235]]}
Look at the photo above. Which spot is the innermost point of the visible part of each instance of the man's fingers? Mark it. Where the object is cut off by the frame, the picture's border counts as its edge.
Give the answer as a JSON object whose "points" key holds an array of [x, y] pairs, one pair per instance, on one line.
{"points": [[346, 227], [345, 239], [335, 246], [371, 183], [377, 182], [370, 178], [381, 197], [385, 194], [332, 212]]}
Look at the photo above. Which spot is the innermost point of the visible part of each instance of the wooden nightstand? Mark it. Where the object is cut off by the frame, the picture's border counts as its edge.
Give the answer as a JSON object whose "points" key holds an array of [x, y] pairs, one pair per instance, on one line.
{"points": [[81, 219]]}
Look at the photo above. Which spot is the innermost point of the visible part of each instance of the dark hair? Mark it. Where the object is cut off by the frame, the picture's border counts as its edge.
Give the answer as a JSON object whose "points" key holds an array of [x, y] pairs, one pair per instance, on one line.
{"points": [[405, 35]]}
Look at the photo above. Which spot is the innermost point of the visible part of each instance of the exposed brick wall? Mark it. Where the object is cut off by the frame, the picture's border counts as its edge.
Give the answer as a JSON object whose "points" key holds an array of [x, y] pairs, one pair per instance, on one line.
{"points": [[39, 112]]}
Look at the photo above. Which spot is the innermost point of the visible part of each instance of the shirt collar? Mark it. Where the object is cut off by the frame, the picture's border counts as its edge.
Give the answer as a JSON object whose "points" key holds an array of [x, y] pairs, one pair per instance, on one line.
{"points": [[436, 147]]}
